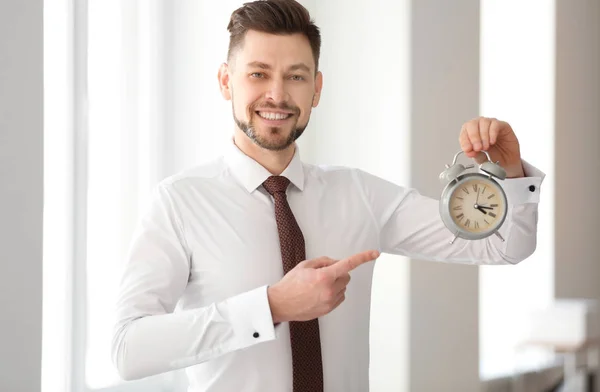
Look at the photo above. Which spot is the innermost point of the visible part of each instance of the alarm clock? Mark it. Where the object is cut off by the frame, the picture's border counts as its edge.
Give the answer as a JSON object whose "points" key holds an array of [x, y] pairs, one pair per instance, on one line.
{"points": [[473, 205]]}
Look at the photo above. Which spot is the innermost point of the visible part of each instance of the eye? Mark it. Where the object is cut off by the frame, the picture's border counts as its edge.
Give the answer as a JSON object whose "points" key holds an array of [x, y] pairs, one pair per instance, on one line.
{"points": [[257, 75], [298, 78]]}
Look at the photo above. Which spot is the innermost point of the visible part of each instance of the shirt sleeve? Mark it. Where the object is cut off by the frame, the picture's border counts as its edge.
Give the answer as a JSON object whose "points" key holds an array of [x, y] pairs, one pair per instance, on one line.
{"points": [[410, 223], [149, 338]]}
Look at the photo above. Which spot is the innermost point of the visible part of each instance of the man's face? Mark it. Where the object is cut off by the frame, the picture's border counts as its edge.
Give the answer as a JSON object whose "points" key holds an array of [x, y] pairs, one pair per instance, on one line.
{"points": [[273, 87]]}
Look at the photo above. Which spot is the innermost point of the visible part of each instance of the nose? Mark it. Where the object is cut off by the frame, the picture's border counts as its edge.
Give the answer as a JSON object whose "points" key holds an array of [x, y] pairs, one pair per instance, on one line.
{"points": [[277, 91]]}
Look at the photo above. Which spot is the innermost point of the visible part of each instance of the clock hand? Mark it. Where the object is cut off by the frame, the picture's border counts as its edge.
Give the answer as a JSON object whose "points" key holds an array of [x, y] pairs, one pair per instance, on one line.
{"points": [[487, 208], [480, 208]]}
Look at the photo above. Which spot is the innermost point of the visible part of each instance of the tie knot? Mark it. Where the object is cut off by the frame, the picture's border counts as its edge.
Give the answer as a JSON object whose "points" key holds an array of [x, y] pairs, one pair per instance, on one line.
{"points": [[276, 184]]}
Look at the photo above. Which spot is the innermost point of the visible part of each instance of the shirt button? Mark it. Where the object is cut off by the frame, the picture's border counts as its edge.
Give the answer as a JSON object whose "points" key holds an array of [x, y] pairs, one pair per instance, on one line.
{"points": [[256, 334], [531, 188]]}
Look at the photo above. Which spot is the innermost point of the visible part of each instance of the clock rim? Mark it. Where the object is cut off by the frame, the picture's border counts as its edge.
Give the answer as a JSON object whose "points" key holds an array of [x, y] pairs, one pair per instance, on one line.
{"points": [[446, 215]]}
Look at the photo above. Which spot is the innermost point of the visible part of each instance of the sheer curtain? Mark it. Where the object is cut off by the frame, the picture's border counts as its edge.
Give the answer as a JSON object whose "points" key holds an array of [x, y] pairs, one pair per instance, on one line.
{"points": [[119, 97], [124, 155], [154, 109]]}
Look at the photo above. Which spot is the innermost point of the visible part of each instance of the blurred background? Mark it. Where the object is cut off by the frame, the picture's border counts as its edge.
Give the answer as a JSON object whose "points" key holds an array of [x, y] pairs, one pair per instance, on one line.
{"points": [[99, 100]]}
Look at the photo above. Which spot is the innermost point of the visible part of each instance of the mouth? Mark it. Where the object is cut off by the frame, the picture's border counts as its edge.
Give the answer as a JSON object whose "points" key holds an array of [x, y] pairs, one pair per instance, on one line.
{"points": [[274, 117]]}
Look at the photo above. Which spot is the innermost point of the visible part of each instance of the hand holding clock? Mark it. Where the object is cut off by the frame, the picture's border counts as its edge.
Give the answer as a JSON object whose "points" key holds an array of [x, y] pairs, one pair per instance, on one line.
{"points": [[495, 148], [497, 138]]}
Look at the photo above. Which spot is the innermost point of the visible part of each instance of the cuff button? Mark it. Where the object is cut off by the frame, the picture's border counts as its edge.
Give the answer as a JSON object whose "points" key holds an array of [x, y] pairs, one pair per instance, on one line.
{"points": [[256, 334], [531, 188]]}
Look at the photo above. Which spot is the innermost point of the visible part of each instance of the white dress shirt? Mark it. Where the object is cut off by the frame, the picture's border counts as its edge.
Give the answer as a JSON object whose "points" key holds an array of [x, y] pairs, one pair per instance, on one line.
{"points": [[194, 290]]}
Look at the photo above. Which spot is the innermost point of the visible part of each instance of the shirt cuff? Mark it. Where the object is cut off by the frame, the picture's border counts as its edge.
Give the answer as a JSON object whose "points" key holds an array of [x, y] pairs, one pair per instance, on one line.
{"points": [[251, 317], [524, 189]]}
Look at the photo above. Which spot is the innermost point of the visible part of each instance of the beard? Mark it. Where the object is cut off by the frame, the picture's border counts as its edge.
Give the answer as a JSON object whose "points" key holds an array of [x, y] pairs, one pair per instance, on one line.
{"points": [[271, 138]]}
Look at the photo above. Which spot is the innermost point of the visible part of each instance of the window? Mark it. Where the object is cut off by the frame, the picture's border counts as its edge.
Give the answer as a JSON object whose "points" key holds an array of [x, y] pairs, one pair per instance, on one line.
{"points": [[124, 89], [517, 83], [58, 179], [101, 159]]}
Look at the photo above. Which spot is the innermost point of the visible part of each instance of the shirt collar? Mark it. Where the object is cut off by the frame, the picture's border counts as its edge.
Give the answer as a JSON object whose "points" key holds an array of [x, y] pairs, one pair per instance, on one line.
{"points": [[252, 174]]}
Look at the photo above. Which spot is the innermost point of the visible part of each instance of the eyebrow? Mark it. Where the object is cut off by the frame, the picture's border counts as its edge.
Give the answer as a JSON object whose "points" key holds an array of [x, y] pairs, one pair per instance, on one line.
{"points": [[295, 67]]}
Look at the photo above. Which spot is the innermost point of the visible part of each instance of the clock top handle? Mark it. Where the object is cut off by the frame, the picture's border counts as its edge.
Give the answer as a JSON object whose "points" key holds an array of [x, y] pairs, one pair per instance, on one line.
{"points": [[462, 152]]}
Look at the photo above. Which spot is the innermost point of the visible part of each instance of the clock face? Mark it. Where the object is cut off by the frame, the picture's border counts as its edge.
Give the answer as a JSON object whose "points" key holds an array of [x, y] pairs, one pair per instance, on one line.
{"points": [[477, 205]]}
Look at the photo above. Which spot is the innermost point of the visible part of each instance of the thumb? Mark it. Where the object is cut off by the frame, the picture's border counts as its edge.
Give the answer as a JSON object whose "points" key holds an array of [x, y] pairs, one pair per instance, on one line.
{"points": [[319, 262]]}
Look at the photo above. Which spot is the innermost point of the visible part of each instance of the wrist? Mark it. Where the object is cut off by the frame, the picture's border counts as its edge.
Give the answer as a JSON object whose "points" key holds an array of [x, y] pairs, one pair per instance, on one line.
{"points": [[274, 304]]}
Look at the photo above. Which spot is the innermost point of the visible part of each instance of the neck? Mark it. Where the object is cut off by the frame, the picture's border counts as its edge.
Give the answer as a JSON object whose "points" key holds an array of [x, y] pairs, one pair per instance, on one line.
{"points": [[274, 161]]}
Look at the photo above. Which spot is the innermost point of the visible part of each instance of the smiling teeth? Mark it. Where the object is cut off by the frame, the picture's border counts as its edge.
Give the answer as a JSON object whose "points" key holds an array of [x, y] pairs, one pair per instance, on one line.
{"points": [[273, 116]]}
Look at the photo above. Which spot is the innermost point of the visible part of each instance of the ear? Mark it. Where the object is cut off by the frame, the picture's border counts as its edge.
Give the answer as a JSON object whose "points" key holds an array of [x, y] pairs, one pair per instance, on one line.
{"points": [[318, 88], [224, 81]]}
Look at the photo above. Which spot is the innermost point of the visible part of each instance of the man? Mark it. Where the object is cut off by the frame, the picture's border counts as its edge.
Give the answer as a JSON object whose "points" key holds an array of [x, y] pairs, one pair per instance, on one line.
{"points": [[256, 249]]}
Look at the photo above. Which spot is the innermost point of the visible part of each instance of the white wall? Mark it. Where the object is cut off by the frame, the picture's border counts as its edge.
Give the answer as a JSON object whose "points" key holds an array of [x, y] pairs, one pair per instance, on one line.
{"points": [[197, 118], [21, 176], [578, 148]]}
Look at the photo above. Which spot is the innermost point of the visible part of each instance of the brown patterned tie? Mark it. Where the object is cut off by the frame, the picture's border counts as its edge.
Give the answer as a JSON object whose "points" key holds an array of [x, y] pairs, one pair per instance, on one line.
{"points": [[304, 335]]}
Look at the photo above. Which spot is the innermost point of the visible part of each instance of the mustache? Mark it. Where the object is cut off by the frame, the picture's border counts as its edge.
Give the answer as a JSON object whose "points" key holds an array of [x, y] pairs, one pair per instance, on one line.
{"points": [[270, 105]]}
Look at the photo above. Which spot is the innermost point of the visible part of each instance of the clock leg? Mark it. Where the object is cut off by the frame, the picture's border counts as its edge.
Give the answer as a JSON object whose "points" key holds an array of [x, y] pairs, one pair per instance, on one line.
{"points": [[499, 236], [454, 239]]}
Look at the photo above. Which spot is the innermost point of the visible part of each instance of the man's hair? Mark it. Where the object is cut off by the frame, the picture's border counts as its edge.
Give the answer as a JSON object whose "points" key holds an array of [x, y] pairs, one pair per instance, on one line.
{"points": [[280, 17]]}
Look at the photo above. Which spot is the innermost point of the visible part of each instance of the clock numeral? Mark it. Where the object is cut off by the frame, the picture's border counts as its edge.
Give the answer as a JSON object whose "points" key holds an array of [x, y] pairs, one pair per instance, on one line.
{"points": [[475, 188], [468, 222], [460, 217], [466, 190], [492, 195], [457, 208], [486, 222], [493, 205], [492, 214], [476, 225], [460, 198], [483, 191]]}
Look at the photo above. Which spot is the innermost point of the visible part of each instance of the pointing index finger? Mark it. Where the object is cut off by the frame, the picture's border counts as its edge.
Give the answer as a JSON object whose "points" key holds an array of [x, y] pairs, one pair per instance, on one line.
{"points": [[348, 264]]}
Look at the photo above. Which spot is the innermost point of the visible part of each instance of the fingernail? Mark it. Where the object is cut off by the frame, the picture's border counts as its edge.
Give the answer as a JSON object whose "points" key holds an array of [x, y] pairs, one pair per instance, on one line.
{"points": [[375, 254], [477, 146]]}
